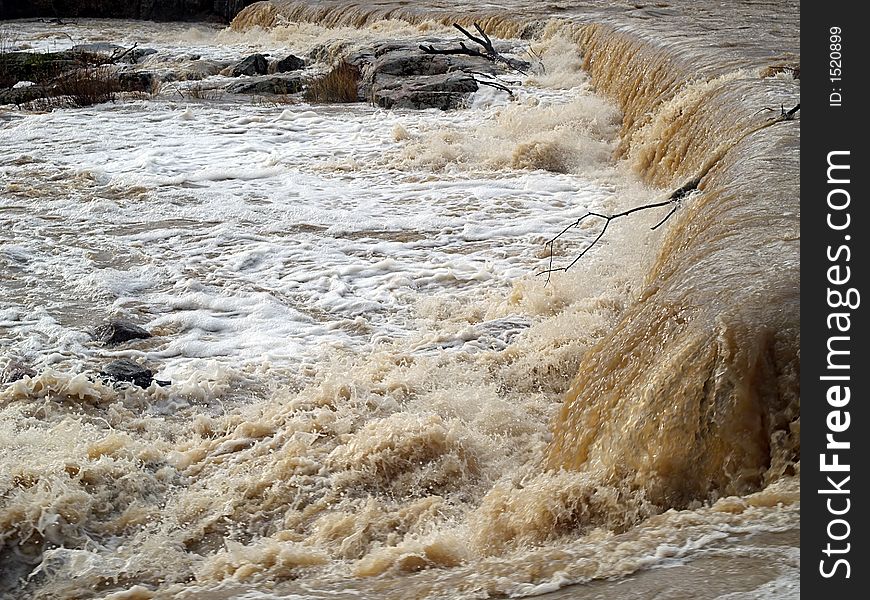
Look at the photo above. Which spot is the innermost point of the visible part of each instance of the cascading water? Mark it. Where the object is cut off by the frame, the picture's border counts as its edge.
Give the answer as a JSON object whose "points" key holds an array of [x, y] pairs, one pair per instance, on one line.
{"points": [[372, 394]]}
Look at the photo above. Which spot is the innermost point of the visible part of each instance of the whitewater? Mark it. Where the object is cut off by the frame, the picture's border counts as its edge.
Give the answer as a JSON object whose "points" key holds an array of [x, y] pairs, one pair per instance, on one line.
{"points": [[372, 391]]}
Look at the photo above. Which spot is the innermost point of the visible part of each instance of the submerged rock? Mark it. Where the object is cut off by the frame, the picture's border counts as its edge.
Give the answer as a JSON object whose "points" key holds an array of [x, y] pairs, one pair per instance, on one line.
{"points": [[188, 69], [255, 64], [128, 370], [118, 332], [291, 63], [268, 85]]}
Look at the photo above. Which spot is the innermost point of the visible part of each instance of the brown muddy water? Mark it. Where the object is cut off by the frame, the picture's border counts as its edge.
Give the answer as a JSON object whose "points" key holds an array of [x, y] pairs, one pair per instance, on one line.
{"points": [[373, 396]]}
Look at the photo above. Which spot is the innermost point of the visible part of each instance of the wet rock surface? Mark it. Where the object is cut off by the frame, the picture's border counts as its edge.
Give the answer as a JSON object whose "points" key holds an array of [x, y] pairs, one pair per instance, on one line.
{"points": [[268, 85], [290, 63], [255, 64], [445, 92], [109, 50], [390, 74], [118, 332], [125, 370], [401, 75]]}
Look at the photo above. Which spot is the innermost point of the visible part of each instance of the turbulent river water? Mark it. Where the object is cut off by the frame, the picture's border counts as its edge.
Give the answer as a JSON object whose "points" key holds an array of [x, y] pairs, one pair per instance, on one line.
{"points": [[372, 394]]}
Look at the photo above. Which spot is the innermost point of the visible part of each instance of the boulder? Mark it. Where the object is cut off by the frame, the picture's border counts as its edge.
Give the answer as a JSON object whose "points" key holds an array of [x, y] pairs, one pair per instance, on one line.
{"points": [[20, 95], [291, 63], [255, 64], [401, 75], [128, 370], [268, 85], [135, 81], [405, 63], [445, 92], [118, 332], [188, 70]]}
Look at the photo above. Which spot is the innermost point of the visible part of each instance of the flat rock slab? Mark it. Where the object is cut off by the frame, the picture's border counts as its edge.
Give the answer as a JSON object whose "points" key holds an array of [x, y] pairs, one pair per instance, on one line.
{"points": [[445, 92], [268, 85]]}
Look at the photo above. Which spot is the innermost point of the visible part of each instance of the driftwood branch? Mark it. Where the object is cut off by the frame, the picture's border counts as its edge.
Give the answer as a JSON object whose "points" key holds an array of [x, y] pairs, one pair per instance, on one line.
{"points": [[489, 81], [674, 199], [784, 115], [483, 40], [497, 86], [489, 51], [115, 57]]}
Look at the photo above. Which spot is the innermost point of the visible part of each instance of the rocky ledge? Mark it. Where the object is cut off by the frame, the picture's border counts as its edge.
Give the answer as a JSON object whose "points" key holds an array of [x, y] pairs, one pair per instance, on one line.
{"points": [[395, 75]]}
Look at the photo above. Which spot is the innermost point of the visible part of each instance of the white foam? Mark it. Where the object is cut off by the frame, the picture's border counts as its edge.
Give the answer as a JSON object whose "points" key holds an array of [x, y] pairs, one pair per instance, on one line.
{"points": [[256, 235]]}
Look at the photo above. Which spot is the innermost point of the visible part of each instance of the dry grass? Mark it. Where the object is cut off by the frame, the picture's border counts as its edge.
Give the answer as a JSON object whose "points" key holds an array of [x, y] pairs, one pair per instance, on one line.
{"points": [[200, 92], [86, 87], [341, 84], [80, 88]]}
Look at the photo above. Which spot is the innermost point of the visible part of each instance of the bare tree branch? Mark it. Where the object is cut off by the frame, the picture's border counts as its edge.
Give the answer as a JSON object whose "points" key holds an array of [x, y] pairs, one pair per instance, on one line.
{"points": [[115, 57], [674, 199], [784, 115], [490, 53], [495, 85]]}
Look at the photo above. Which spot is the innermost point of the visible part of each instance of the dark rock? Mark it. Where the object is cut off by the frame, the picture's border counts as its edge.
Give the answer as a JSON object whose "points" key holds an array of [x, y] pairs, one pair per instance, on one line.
{"points": [[407, 59], [117, 332], [127, 370], [24, 94], [228, 9], [401, 75], [192, 71], [273, 84], [136, 81], [404, 63], [447, 91], [291, 63], [255, 64], [15, 370]]}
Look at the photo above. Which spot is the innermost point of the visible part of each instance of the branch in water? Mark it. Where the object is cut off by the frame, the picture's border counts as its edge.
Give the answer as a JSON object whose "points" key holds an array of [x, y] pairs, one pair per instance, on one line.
{"points": [[784, 115], [674, 199], [494, 84]]}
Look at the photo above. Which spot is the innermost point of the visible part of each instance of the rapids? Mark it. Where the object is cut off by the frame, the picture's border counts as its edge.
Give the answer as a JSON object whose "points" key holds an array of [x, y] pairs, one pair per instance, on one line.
{"points": [[372, 393]]}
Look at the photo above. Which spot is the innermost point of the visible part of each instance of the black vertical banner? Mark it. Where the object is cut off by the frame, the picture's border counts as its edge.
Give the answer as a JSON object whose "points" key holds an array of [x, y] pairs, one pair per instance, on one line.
{"points": [[835, 225]]}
